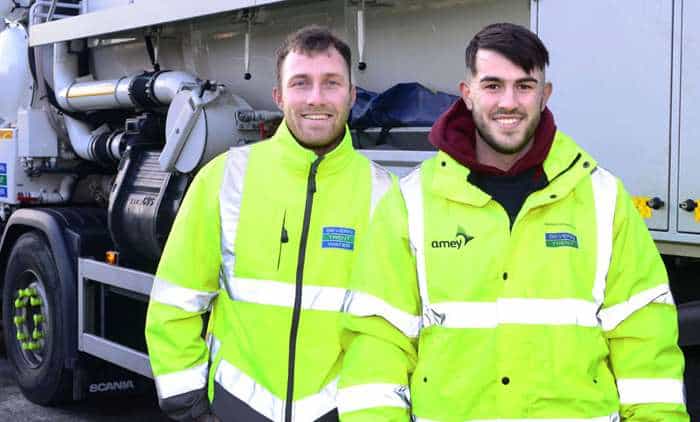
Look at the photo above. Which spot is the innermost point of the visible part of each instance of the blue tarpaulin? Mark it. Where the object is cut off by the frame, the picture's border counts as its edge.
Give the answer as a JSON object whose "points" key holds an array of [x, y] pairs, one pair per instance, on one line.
{"points": [[404, 104]]}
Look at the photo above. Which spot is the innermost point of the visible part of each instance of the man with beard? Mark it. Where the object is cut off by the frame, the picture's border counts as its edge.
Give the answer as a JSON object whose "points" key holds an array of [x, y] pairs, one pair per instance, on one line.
{"points": [[265, 240], [518, 281]]}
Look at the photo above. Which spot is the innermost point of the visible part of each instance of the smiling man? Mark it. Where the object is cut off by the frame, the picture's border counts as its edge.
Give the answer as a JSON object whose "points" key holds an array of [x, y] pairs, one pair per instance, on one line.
{"points": [[265, 240], [517, 282]]}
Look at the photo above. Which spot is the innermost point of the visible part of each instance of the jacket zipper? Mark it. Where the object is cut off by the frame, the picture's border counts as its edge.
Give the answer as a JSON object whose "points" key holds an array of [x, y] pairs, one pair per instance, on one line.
{"points": [[296, 313], [284, 238]]}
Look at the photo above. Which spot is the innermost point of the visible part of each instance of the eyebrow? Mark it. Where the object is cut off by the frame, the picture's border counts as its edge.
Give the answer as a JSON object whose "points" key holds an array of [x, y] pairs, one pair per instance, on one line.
{"points": [[325, 75], [496, 79]]}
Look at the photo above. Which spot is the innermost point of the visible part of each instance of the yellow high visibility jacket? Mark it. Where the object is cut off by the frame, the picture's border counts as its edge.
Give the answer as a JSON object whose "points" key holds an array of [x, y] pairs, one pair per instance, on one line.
{"points": [[456, 316], [265, 240]]}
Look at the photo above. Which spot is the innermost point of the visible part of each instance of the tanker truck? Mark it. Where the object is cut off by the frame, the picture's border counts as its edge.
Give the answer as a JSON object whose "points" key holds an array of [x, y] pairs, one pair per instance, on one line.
{"points": [[110, 107]]}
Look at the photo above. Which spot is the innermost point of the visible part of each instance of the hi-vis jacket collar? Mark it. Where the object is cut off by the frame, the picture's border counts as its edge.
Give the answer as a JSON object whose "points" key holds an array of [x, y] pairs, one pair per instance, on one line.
{"points": [[565, 166], [299, 158]]}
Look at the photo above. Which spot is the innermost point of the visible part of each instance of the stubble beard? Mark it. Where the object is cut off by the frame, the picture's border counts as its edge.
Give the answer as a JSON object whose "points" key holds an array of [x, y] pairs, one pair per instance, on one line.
{"points": [[325, 146], [502, 148]]}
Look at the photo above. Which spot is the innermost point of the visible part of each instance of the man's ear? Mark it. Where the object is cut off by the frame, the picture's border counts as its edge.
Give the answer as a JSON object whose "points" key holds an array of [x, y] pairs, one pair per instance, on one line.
{"points": [[466, 91], [353, 95], [547, 93], [277, 97]]}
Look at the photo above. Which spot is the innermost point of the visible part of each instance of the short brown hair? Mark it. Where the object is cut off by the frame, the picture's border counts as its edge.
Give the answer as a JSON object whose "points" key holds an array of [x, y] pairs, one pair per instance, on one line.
{"points": [[308, 40], [518, 44]]}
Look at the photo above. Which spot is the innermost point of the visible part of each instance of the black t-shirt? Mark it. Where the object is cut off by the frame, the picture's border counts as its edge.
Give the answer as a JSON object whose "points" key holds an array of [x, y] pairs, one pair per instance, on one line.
{"points": [[510, 191]]}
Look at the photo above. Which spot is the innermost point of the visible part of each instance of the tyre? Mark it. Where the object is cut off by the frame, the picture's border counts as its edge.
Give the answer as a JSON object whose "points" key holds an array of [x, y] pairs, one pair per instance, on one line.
{"points": [[32, 317]]}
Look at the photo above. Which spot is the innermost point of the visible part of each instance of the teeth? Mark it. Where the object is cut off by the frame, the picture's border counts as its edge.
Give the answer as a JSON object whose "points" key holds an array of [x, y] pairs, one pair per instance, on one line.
{"points": [[316, 116]]}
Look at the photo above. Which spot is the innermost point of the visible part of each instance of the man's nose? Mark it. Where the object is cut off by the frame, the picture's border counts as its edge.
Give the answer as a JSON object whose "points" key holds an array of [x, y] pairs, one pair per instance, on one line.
{"points": [[315, 94], [508, 99]]}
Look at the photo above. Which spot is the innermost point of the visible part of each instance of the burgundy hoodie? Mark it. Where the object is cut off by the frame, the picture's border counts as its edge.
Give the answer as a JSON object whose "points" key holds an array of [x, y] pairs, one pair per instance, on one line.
{"points": [[455, 133]]}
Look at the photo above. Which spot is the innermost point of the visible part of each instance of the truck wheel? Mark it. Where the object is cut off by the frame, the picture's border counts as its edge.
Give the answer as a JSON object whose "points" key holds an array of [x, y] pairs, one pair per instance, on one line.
{"points": [[33, 323]]}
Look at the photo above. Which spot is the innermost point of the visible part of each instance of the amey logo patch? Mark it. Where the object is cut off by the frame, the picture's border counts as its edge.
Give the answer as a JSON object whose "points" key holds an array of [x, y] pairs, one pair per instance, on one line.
{"points": [[561, 239], [460, 240]]}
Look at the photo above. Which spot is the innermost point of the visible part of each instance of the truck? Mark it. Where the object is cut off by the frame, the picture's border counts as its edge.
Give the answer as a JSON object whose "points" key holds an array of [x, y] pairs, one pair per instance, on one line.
{"points": [[110, 107]]}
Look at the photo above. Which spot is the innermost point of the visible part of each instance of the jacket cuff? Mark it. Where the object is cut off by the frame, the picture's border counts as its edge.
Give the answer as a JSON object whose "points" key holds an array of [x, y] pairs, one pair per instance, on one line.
{"points": [[186, 407]]}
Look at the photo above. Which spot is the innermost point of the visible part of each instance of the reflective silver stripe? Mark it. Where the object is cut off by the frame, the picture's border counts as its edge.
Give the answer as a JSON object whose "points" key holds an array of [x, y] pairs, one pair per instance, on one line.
{"points": [[189, 300], [230, 207], [181, 382], [381, 182], [514, 311], [260, 399], [412, 192], [637, 390], [269, 292], [367, 396], [605, 199], [615, 417], [612, 316], [364, 304]]}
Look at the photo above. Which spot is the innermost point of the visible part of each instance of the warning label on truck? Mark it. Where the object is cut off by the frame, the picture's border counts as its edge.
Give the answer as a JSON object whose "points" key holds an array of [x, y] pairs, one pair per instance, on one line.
{"points": [[3, 180]]}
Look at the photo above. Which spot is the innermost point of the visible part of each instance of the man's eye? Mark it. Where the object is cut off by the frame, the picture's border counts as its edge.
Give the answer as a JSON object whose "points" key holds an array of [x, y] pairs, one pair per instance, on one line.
{"points": [[298, 83], [332, 83], [491, 87], [525, 87]]}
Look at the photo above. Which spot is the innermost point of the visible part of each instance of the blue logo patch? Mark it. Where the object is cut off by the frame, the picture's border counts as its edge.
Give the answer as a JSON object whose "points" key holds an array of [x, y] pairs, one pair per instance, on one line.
{"points": [[558, 240], [338, 238], [3, 192], [3, 168]]}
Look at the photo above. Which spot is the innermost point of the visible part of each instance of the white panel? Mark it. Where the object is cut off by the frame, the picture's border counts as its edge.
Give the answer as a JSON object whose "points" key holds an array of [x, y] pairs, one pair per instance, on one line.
{"points": [[425, 41], [137, 14], [611, 70], [689, 161], [36, 137]]}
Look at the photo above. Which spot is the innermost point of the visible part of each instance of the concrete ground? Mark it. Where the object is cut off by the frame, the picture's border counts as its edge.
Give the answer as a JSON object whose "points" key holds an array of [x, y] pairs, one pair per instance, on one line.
{"points": [[14, 407]]}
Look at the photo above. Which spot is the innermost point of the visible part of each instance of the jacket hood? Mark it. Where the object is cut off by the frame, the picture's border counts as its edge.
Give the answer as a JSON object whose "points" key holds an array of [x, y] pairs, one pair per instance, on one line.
{"points": [[455, 134]]}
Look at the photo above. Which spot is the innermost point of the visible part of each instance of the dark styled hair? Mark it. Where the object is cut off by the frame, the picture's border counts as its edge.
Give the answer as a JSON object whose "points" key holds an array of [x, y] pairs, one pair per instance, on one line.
{"points": [[310, 40], [518, 44]]}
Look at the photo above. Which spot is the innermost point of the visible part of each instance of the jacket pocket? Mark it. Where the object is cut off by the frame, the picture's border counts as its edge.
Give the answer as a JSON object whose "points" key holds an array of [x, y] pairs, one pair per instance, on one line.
{"points": [[284, 239]]}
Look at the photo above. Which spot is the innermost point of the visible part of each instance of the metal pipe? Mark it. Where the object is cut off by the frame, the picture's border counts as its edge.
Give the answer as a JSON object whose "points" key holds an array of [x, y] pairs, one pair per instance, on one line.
{"points": [[52, 9], [361, 65], [145, 90], [157, 89], [246, 57], [167, 84], [65, 70], [82, 138], [258, 115]]}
